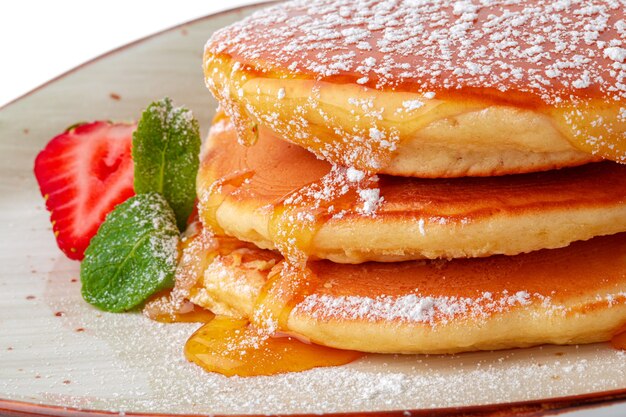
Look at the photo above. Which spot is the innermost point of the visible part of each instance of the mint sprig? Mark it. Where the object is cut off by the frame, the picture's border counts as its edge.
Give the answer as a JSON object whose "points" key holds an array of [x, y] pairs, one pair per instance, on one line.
{"points": [[133, 255], [165, 151]]}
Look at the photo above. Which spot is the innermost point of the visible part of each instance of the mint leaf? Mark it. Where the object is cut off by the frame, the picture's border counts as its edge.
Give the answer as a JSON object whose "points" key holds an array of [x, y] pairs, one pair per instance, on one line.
{"points": [[165, 151], [133, 255]]}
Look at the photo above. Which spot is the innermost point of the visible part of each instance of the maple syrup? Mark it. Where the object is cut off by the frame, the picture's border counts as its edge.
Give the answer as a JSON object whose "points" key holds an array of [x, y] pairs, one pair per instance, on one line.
{"points": [[618, 341], [295, 218], [596, 126], [192, 314], [233, 347]]}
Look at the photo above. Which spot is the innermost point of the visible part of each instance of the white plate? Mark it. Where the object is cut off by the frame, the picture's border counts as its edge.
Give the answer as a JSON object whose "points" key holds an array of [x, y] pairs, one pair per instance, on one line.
{"points": [[57, 351]]}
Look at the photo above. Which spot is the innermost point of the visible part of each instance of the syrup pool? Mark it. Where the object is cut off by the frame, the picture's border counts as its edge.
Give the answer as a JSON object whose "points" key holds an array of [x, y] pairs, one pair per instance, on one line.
{"points": [[234, 347]]}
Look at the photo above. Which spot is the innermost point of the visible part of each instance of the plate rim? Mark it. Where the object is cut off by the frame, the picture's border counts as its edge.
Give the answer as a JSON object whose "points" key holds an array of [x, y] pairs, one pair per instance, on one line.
{"points": [[540, 407]]}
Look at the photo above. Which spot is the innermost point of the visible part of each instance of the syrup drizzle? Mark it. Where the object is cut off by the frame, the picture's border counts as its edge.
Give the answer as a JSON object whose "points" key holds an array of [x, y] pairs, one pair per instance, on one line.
{"points": [[361, 127], [253, 348], [189, 313], [595, 127], [618, 341], [294, 222], [236, 346]]}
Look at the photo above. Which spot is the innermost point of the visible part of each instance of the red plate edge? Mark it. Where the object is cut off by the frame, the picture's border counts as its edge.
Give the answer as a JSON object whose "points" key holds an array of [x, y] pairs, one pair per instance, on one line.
{"points": [[520, 408], [542, 407]]}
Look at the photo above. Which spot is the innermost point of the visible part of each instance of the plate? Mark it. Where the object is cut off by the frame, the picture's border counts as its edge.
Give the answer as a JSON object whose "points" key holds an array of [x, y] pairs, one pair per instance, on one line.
{"points": [[58, 355]]}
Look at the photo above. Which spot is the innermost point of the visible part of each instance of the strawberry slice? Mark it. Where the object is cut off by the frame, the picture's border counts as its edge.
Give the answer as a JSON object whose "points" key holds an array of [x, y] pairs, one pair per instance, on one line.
{"points": [[83, 174]]}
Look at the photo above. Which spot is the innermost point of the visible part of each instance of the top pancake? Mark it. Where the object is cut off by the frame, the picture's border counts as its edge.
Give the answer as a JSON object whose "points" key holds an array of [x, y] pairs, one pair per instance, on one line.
{"points": [[363, 83]]}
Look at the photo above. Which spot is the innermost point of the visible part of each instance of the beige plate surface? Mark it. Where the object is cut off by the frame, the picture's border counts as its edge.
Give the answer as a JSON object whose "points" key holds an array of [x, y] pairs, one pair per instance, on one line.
{"points": [[57, 350]]}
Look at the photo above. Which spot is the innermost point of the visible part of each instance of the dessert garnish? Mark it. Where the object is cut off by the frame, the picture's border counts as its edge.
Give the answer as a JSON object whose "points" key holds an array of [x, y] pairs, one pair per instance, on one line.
{"points": [[86, 175], [133, 255], [83, 173], [165, 150]]}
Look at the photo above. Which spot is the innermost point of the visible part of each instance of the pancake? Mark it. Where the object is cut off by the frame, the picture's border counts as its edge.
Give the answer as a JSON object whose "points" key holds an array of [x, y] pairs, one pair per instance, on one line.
{"points": [[441, 89], [260, 193], [561, 296]]}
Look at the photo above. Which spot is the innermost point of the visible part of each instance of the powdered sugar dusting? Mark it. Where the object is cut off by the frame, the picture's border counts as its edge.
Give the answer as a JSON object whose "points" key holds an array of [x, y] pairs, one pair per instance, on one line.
{"points": [[615, 53], [151, 375], [354, 175], [371, 199], [551, 49], [415, 308], [316, 200], [412, 104]]}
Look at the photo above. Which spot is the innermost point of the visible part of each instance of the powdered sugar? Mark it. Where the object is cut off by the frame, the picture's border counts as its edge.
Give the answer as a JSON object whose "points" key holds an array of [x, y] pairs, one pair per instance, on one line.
{"points": [[615, 53], [412, 104], [354, 175], [496, 44], [432, 311], [371, 199], [415, 308]]}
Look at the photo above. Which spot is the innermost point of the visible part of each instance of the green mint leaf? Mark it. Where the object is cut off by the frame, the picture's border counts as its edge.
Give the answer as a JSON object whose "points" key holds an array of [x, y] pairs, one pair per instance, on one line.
{"points": [[165, 151], [133, 255]]}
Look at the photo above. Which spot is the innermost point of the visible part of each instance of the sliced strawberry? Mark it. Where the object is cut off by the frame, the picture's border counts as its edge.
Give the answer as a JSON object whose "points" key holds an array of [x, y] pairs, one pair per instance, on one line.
{"points": [[83, 174]]}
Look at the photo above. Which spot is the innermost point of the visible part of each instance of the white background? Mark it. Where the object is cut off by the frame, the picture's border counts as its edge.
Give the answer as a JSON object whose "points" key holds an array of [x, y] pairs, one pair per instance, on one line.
{"points": [[41, 39]]}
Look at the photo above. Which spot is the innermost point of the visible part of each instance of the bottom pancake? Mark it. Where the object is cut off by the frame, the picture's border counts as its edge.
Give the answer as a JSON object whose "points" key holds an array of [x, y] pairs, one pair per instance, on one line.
{"points": [[570, 295]]}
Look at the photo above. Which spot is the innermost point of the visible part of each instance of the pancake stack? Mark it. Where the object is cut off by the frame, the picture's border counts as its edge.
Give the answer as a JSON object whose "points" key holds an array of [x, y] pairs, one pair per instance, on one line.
{"points": [[417, 176]]}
